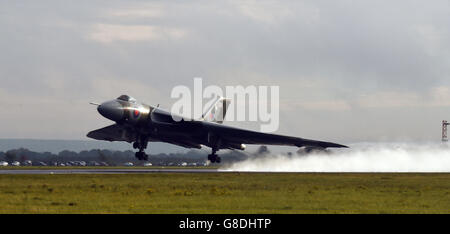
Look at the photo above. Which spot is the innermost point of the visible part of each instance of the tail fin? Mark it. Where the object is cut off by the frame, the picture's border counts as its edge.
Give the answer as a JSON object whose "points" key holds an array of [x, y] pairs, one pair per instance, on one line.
{"points": [[216, 113]]}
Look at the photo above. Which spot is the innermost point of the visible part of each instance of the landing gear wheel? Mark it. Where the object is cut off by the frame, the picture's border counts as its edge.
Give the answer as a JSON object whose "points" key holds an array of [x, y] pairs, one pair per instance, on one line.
{"points": [[141, 156], [213, 158], [138, 155]]}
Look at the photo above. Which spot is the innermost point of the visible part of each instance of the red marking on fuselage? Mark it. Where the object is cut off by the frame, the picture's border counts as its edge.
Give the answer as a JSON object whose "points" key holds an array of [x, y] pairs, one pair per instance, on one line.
{"points": [[136, 113]]}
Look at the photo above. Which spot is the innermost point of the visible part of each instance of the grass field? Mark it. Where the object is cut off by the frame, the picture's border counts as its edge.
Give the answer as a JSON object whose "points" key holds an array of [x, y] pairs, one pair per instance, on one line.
{"points": [[226, 193]]}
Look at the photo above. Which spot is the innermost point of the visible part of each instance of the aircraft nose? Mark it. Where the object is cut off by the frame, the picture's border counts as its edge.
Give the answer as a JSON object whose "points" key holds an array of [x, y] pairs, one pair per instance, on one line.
{"points": [[111, 110]]}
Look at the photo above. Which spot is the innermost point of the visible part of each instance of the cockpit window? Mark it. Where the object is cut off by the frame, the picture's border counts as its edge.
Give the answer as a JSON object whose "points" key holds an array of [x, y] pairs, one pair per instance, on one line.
{"points": [[126, 98]]}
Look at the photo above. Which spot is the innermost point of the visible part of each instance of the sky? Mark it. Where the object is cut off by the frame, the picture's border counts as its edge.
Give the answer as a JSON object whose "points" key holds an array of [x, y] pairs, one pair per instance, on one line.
{"points": [[347, 71]]}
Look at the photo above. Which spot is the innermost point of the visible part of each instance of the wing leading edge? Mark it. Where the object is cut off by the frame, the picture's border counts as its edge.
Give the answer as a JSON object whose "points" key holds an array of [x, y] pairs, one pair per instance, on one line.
{"points": [[113, 132]]}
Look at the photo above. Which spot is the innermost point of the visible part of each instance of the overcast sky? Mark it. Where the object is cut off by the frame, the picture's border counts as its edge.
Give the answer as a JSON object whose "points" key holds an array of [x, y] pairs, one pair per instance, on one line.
{"points": [[348, 71]]}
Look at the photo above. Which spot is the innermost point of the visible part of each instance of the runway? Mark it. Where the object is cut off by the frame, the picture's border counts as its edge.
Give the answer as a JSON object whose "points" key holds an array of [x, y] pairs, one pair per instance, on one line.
{"points": [[103, 171]]}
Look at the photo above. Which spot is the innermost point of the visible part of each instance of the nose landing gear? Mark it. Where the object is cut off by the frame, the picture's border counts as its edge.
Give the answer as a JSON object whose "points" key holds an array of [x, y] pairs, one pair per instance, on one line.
{"points": [[141, 144]]}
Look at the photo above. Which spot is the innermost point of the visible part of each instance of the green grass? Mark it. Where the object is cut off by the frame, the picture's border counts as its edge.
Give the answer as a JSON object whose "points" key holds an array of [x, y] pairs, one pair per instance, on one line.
{"points": [[226, 193]]}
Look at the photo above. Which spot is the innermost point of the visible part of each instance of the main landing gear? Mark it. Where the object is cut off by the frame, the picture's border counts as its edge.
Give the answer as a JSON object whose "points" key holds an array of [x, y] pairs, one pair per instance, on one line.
{"points": [[213, 158], [141, 155], [141, 144]]}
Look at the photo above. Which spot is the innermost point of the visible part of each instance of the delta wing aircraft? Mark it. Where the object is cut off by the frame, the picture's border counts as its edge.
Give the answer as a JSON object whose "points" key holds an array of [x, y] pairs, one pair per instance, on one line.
{"points": [[139, 124]]}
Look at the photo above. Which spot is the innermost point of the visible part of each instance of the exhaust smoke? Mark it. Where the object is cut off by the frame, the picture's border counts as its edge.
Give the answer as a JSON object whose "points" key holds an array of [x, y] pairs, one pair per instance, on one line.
{"points": [[360, 157]]}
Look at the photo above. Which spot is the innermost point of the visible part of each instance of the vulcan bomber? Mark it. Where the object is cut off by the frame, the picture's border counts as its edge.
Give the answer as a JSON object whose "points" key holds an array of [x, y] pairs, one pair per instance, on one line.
{"points": [[138, 123]]}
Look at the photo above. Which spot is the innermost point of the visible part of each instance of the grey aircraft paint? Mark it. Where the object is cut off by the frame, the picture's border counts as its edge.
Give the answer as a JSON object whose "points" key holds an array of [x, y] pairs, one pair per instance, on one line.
{"points": [[139, 123]]}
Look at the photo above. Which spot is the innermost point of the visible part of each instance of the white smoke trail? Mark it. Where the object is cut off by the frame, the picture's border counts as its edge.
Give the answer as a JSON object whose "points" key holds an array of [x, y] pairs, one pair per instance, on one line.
{"points": [[362, 157]]}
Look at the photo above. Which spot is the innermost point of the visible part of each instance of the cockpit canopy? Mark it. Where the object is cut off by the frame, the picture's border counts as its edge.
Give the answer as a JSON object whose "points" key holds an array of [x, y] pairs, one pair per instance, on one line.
{"points": [[126, 98]]}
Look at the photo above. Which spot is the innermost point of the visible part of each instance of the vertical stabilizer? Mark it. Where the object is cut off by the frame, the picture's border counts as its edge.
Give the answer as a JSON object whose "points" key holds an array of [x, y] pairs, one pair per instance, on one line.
{"points": [[216, 113]]}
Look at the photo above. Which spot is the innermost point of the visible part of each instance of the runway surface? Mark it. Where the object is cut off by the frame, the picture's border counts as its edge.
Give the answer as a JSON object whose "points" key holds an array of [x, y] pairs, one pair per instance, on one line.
{"points": [[104, 171]]}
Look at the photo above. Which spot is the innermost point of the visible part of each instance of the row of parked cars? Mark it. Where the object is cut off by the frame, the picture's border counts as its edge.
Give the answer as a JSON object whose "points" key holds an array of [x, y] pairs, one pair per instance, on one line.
{"points": [[15, 163], [91, 163], [64, 164]]}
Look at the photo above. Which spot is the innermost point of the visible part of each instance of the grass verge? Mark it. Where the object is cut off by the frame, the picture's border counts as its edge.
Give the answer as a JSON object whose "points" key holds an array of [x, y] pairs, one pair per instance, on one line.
{"points": [[226, 193]]}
